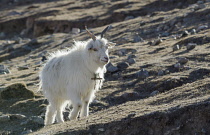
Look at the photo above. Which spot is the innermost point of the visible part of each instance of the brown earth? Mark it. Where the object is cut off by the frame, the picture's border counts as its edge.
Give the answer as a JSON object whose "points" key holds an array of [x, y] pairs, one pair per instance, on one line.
{"points": [[126, 104]]}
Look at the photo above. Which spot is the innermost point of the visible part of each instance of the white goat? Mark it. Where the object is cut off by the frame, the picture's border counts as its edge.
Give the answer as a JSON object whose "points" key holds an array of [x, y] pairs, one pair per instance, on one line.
{"points": [[74, 76]]}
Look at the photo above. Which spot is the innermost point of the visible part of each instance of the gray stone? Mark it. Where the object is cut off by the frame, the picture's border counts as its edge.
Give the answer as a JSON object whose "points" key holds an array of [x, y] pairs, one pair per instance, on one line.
{"points": [[165, 34], [129, 17], [176, 47], [2, 35], [18, 40], [160, 73], [12, 13], [37, 119], [17, 116], [200, 2], [4, 118], [202, 27], [122, 65], [191, 46], [4, 70], [111, 68], [137, 38], [182, 60], [131, 61], [167, 71], [121, 53], [154, 93], [34, 42], [193, 31], [157, 42], [131, 56], [22, 68], [201, 6], [101, 129], [142, 74], [185, 33], [26, 132], [75, 30], [130, 95], [178, 66]]}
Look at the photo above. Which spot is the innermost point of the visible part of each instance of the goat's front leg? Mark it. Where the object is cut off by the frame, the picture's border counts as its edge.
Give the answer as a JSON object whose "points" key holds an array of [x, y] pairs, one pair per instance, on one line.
{"points": [[85, 109], [85, 104]]}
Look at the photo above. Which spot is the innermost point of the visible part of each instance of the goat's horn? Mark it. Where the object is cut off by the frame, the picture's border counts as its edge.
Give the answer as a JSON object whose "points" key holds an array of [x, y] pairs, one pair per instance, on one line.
{"points": [[90, 34], [104, 31]]}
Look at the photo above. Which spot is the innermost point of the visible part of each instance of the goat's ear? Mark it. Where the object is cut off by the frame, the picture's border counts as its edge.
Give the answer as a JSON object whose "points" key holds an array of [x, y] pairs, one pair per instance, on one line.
{"points": [[110, 44]]}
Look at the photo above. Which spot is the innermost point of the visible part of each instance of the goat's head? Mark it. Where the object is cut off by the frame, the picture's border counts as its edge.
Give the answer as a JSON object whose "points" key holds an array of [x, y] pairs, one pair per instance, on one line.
{"points": [[98, 47]]}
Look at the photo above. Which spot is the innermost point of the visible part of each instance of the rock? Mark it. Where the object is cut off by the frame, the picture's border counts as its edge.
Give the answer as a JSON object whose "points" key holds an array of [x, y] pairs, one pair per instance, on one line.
{"points": [[165, 34], [4, 70], [75, 30], [4, 118], [200, 2], [131, 61], [167, 71], [142, 23], [101, 129], [176, 47], [202, 27], [201, 6], [17, 116], [157, 42], [193, 31], [33, 42], [13, 13], [160, 73], [16, 91], [182, 60], [18, 40], [154, 93], [185, 33], [26, 132], [178, 66], [130, 96], [38, 63], [121, 41], [121, 53], [131, 56], [129, 17], [111, 68], [142, 74], [198, 6], [27, 48], [2, 35], [137, 38], [122, 65], [191, 46], [22, 68], [37, 119]]}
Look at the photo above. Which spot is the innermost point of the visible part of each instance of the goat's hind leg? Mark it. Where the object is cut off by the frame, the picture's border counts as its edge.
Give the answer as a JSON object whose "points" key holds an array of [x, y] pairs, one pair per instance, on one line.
{"points": [[50, 115], [60, 107], [85, 109]]}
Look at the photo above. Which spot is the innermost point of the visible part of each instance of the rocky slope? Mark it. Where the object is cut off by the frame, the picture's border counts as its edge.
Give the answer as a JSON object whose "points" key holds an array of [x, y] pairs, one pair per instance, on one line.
{"points": [[157, 81]]}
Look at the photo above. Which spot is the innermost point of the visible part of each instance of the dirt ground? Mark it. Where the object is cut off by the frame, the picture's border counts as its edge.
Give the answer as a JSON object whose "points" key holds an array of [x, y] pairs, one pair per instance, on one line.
{"points": [[166, 91]]}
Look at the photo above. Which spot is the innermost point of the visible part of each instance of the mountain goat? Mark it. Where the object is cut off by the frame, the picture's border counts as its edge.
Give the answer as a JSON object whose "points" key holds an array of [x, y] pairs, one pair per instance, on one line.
{"points": [[74, 76]]}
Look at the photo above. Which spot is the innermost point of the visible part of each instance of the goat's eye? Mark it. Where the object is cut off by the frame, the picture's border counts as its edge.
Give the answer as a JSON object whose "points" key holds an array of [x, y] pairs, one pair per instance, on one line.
{"points": [[94, 49]]}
